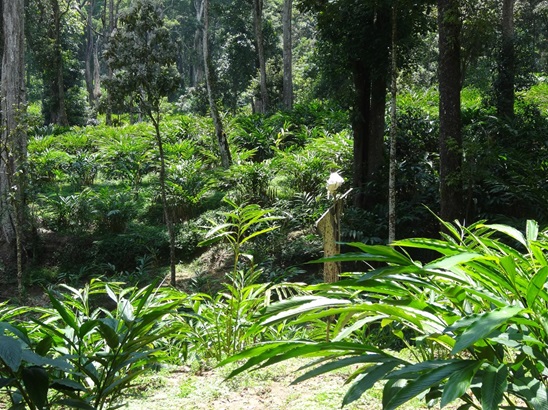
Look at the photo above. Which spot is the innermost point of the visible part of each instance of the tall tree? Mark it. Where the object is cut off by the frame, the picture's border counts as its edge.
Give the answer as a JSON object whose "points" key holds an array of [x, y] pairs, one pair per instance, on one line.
{"points": [[13, 142], [355, 41], [210, 84], [142, 58], [198, 64], [393, 129], [111, 20], [449, 74], [506, 64], [262, 105], [87, 10], [287, 54], [55, 47]]}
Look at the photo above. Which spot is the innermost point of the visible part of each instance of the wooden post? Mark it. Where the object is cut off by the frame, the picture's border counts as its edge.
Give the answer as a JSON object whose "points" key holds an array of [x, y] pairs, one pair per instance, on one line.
{"points": [[329, 226]]}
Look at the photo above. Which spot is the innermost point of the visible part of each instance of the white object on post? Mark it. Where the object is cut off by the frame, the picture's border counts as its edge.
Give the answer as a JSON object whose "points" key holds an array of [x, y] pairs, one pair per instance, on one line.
{"points": [[333, 183]]}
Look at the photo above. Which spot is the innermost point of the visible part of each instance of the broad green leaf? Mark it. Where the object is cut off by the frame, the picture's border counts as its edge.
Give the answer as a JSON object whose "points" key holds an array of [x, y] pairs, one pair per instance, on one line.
{"points": [[109, 333], [75, 403], [340, 363], [459, 383], [388, 252], [44, 345], [67, 384], [451, 261], [257, 233], [66, 314], [494, 384], [10, 352], [111, 293], [317, 303], [87, 327], [532, 391], [509, 266], [416, 386], [483, 326], [58, 363], [531, 231], [36, 381], [536, 286], [443, 247], [368, 380], [126, 310], [510, 231]]}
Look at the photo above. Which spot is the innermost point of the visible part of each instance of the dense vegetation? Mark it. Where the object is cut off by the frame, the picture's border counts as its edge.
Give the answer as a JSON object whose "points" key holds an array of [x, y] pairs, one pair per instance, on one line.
{"points": [[161, 180]]}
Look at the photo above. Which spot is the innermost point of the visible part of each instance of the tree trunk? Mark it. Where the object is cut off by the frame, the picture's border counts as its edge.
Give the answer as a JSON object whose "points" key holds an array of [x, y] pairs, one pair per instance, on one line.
{"points": [[210, 84], [393, 131], [451, 199], [287, 55], [506, 68], [108, 111], [259, 41], [167, 215], [58, 112], [13, 142], [360, 128], [198, 66], [91, 59]]}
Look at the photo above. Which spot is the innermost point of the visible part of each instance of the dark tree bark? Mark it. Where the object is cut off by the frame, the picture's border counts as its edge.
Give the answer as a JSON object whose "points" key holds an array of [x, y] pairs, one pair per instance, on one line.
{"points": [[506, 68], [393, 129], [91, 58], [198, 66], [13, 142], [360, 125], [368, 121], [287, 54], [259, 41], [210, 84], [57, 111], [451, 196], [110, 30]]}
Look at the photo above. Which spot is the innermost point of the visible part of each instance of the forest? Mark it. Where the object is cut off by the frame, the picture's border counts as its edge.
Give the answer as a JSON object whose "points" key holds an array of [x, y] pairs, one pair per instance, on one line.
{"points": [[338, 194]]}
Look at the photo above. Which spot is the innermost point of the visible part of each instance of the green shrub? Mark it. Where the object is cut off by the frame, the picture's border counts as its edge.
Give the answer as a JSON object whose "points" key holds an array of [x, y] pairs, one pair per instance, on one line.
{"points": [[474, 318], [81, 353]]}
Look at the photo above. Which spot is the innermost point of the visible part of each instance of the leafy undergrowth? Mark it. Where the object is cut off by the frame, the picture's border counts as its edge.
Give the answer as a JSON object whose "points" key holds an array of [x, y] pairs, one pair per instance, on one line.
{"points": [[264, 389]]}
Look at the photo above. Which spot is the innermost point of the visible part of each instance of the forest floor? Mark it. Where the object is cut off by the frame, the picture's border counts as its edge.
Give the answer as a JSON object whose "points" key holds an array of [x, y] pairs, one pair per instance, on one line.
{"points": [[264, 389]]}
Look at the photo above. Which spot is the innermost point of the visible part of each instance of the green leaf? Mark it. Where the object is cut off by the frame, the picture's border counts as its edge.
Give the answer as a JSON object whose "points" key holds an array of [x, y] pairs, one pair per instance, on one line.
{"points": [[316, 303], [425, 381], [536, 286], [532, 391], [58, 363], [483, 326], [66, 314], [67, 384], [109, 333], [494, 384], [10, 352], [510, 231], [126, 310], [368, 380], [451, 261], [531, 231], [443, 247], [36, 381], [340, 363], [75, 403], [459, 383], [87, 327], [111, 293], [44, 345]]}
